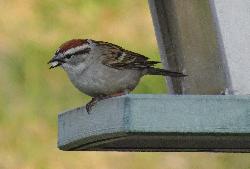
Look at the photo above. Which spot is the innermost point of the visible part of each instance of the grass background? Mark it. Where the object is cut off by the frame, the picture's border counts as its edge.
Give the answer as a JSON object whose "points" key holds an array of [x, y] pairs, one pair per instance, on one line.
{"points": [[31, 94]]}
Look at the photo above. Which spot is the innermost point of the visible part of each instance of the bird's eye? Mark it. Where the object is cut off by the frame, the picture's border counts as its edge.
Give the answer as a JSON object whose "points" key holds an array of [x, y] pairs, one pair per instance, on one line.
{"points": [[68, 56]]}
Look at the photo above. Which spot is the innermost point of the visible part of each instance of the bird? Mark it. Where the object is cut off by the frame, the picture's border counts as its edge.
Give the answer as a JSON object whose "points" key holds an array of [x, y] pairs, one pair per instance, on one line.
{"points": [[103, 70]]}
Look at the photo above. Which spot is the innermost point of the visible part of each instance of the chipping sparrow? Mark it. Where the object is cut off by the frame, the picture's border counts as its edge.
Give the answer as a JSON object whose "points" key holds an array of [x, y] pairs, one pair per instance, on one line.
{"points": [[103, 70]]}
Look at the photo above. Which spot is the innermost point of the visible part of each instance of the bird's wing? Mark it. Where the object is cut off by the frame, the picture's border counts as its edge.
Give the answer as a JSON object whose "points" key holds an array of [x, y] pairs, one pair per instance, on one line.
{"points": [[120, 58]]}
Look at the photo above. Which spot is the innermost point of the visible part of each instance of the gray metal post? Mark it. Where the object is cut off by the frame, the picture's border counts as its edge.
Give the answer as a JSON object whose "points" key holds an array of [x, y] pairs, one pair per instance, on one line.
{"points": [[208, 40], [232, 19]]}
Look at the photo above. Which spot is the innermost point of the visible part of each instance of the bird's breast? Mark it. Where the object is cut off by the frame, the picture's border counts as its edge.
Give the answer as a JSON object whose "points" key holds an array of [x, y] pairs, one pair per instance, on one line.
{"points": [[100, 79]]}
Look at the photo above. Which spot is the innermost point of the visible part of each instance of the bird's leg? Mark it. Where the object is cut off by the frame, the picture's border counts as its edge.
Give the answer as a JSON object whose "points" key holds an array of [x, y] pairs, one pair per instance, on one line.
{"points": [[94, 100], [117, 94], [92, 103], [114, 95]]}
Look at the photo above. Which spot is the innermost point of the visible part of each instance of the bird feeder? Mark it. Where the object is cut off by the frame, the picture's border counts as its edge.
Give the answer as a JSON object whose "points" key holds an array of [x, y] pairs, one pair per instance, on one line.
{"points": [[207, 111]]}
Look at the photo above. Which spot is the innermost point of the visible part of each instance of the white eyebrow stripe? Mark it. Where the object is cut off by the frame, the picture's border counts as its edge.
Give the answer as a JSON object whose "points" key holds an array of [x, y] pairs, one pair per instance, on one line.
{"points": [[78, 48]]}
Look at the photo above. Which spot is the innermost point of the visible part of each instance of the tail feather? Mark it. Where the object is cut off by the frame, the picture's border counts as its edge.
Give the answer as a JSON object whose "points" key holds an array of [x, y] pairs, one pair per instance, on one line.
{"points": [[163, 72]]}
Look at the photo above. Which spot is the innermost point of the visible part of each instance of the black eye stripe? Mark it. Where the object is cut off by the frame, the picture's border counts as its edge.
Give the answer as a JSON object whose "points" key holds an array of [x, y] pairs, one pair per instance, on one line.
{"points": [[68, 56], [84, 51]]}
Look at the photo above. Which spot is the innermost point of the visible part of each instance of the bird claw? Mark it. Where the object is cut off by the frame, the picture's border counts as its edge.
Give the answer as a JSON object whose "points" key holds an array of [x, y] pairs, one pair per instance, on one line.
{"points": [[94, 100], [90, 104], [88, 108]]}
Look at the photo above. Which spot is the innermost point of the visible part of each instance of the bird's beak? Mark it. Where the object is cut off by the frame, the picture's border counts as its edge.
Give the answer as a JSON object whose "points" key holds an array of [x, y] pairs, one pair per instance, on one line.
{"points": [[56, 61]]}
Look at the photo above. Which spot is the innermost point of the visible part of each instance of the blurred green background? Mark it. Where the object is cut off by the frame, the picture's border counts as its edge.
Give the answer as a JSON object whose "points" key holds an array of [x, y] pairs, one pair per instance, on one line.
{"points": [[32, 95]]}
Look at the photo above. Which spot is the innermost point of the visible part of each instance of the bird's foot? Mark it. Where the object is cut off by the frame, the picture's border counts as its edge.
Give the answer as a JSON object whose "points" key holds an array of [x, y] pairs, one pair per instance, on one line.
{"points": [[92, 103], [95, 100]]}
